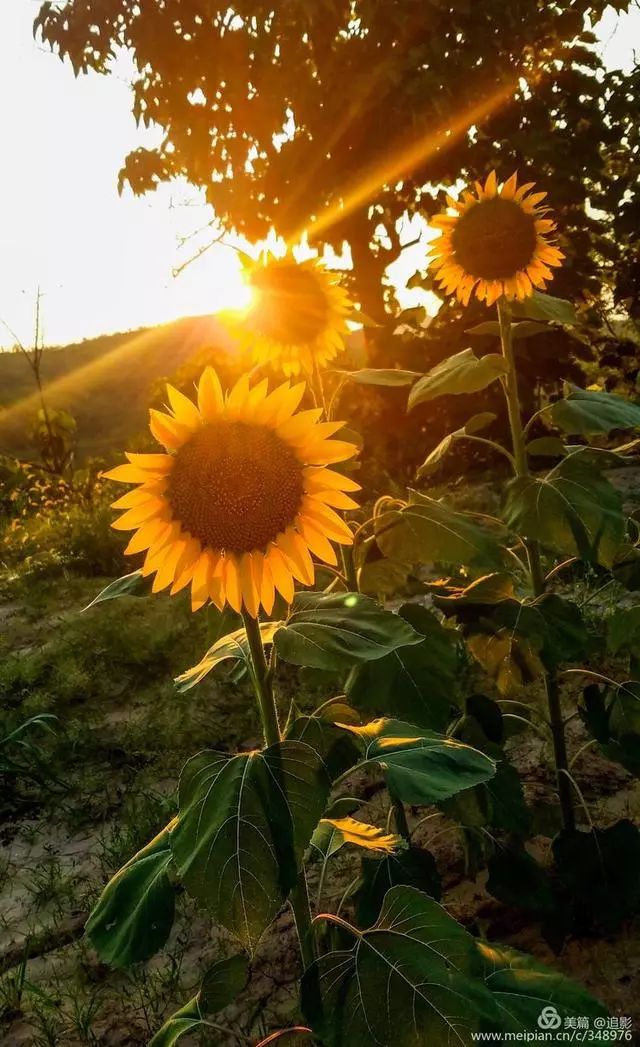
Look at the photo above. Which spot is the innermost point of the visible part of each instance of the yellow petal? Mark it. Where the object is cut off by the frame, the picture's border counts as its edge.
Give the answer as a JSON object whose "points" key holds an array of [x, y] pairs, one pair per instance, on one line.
{"points": [[335, 498], [315, 539], [146, 536], [127, 474], [491, 185], [232, 583], [296, 556], [327, 480], [326, 452], [250, 595], [237, 398], [267, 587], [301, 424], [324, 518], [184, 409], [210, 396], [282, 577], [167, 431], [153, 463], [134, 517], [200, 581], [138, 496]]}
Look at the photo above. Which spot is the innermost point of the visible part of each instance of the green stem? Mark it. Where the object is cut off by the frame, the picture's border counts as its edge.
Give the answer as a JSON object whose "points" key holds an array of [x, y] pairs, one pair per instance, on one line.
{"points": [[349, 565], [263, 686], [262, 682], [400, 817], [510, 384]]}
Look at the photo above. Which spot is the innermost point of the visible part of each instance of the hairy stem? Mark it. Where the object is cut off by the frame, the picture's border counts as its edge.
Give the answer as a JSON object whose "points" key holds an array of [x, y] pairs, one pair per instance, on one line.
{"points": [[263, 686], [533, 553]]}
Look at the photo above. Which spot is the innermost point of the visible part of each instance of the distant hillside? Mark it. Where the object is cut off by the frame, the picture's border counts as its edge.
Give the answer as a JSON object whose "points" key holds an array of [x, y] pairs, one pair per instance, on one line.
{"points": [[104, 382]]}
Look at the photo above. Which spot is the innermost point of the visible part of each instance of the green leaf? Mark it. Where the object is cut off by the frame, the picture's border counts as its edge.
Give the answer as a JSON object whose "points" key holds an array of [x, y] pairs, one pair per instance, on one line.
{"points": [[599, 870], [545, 307], [336, 630], [498, 803], [522, 987], [511, 658], [573, 510], [419, 683], [233, 647], [220, 986], [426, 531], [379, 575], [421, 766], [129, 585], [406, 981], [382, 376], [524, 329], [585, 412], [566, 637], [332, 834], [462, 373], [337, 750], [547, 447], [134, 914], [623, 631], [480, 596], [245, 822], [413, 867], [516, 879], [475, 424]]}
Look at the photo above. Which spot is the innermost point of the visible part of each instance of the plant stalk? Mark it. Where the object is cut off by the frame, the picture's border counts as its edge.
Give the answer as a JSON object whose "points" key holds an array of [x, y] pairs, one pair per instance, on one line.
{"points": [[263, 686], [533, 553]]}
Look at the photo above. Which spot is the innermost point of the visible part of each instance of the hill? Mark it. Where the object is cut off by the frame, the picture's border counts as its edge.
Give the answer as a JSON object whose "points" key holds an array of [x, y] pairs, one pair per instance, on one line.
{"points": [[104, 382]]}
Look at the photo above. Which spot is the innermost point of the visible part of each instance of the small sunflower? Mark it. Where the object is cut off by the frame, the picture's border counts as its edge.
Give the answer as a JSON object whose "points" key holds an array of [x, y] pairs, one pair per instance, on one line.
{"points": [[241, 499], [496, 243], [297, 317]]}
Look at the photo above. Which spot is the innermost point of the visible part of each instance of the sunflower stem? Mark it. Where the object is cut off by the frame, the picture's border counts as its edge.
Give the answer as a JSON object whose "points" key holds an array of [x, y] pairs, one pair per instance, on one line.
{"points": [[262, 680], [349, 565], [510, 385]]}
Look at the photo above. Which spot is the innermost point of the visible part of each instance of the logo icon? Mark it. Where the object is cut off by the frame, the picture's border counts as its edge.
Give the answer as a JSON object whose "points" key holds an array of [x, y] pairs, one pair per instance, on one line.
{"points": [[549, 1018]]}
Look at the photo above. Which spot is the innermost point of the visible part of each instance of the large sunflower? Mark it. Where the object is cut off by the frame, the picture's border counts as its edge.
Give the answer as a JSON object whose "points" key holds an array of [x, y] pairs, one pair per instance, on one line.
{"points": [[241, 499], [297, 317], [496, 242]]}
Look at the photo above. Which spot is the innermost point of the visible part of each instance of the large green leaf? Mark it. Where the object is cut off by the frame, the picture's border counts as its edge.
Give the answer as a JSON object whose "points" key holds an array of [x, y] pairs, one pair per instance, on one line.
{"points": [[584, 412], [245, 822], [336, 630], [134, 914], [545, 307], [406, 981], [220, 986], [417, 683], [523, 989], [599, 871], [623, 631], [573, 510], [337, 750], [413, 867], [566, 636], [232, 647], [498, 803], [462, 373], [517, 879], [426, 531], [421, 766]]}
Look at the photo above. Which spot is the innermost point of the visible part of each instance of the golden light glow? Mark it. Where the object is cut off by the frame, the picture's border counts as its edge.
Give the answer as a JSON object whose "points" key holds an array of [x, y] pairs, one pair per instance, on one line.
{"points": [[296, 321], [495, 243], [242, 497]]}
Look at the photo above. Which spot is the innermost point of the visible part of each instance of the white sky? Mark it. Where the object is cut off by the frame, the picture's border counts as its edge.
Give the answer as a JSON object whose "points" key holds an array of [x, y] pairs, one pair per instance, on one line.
{"points": [[105, 262]]}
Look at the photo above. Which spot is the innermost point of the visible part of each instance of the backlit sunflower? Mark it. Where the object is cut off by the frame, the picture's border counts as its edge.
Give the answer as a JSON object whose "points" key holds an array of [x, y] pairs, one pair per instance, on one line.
{"points": [[297, 317], [241, 499], [496, 242]]}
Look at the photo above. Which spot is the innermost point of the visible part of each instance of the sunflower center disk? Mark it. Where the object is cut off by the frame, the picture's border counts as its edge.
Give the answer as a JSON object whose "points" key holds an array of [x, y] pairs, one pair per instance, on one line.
{"points": [[235, 486], [291, 306], [494, 239]]}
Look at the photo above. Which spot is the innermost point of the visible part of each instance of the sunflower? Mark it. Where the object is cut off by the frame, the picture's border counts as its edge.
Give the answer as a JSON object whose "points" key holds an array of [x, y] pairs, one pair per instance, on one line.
{"points": [[297, 319], [496, 243], [242, 498]]}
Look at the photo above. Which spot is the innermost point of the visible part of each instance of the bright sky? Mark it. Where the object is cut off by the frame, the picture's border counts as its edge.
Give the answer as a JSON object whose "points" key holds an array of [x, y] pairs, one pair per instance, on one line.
{"points": [[105, 262]]}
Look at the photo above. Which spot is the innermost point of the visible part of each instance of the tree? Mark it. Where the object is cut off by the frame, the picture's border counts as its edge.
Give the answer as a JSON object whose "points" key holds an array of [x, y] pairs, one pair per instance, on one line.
{"points": [[340, 116]]}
